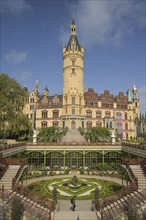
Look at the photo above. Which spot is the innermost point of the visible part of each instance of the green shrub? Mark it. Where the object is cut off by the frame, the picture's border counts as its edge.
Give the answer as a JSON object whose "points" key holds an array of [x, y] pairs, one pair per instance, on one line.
{"points": [[82, 170]]}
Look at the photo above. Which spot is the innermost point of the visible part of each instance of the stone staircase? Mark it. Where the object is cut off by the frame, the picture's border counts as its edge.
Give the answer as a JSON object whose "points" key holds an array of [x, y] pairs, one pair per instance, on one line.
{"points": [[82, 211], [138, 172], [73, 136], [8, 176], [77, 215]]}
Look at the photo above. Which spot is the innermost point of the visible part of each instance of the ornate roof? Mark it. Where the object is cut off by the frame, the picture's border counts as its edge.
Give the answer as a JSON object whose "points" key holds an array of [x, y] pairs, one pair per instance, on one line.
{"points": [[73, 41]]}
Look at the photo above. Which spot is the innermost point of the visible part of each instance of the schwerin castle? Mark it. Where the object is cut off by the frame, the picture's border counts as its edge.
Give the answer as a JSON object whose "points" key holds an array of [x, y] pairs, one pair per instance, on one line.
{"points": [[79, 108]]}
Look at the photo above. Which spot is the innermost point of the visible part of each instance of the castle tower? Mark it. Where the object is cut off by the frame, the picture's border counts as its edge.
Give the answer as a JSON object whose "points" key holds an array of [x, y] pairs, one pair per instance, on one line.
{"points": [[73, 78], [135, 102]]}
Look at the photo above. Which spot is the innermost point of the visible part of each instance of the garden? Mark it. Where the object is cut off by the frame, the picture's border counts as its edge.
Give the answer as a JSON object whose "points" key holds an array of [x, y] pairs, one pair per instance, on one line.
{"points": [[82, 188]]}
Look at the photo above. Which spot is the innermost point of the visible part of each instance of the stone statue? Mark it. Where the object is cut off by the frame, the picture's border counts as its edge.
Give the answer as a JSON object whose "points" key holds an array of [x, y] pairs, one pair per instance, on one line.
{"points": [[113, 136], [35, 133], [134, 91], [55, 194]]}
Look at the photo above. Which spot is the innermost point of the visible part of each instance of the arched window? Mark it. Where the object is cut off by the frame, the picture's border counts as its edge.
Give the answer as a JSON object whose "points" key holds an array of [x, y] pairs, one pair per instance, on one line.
{"points": [[44, 114], [44, 124], [55, 123], [89, 124], [89, 114], [98, 114], [98, 124], [73, 124], [118, 115], [119, 126], [55, 114], [107, 114]]}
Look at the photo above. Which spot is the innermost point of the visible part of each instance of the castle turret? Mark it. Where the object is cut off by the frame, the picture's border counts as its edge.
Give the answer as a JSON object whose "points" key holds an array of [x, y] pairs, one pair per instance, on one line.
{"points": [[46, 92], [73, 76]]}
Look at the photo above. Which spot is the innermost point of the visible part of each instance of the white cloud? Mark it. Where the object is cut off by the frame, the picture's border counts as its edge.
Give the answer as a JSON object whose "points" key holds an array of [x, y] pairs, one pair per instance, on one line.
{"points": [[142, 98], [15, 7], [16, 57], [24, 76], [108, 22]]}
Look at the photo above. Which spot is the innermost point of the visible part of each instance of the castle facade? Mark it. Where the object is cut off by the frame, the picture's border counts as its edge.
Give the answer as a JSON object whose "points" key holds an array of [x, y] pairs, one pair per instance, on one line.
{"points": [[77, 107]]}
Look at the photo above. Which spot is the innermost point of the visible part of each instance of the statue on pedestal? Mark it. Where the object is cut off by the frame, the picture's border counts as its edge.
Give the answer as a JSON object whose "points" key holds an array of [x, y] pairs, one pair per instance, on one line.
{"points": [[113, 136], [35, 133]]}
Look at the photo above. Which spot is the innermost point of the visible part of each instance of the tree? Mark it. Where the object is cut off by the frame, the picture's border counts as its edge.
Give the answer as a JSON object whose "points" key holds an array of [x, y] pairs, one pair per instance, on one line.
{"points": [[16, 209], [12, 99], [50, 134], [95, 134]]}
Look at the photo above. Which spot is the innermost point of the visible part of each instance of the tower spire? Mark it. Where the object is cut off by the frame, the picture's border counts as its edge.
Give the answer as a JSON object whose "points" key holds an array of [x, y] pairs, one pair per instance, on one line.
{"points": [[37, 87], [73, 27], [73, 15]]}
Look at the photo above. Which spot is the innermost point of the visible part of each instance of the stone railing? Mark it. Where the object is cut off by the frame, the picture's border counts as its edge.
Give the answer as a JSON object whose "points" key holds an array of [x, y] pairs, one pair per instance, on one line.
{"points": [[16, 161], [12, 145], [141, 146], [133, 161], [14, 180], [5, 165], [143, 166], [120, 193], [73, 143], [126, 162]]}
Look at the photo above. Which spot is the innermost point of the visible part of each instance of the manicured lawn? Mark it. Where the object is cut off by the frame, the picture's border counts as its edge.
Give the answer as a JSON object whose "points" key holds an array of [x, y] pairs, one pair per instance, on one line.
{"points": [[65, 190]]}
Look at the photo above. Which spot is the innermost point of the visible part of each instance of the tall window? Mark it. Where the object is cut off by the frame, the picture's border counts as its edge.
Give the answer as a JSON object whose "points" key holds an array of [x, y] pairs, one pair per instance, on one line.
{"points": [[126, 126], [98, 114], [73, 70], [73, 111], [73, 100], [119, 126], [73, 62], [125, 116], [55, 123], [55, 114], [89, 124], [31, 99], [44, 114], [118, 115], [73, 124], [44, 124], [31, 107], [107, 114], [111, 124], [89, 114], [98, 124]]}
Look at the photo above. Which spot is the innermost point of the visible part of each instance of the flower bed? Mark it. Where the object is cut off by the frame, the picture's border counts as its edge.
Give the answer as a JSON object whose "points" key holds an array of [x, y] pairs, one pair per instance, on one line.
{"points": [[85, 189]]}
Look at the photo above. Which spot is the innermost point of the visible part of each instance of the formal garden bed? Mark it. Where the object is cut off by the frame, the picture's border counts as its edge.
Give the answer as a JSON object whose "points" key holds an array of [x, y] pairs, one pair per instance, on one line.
{"points": [[66, 189], [100, 169]]}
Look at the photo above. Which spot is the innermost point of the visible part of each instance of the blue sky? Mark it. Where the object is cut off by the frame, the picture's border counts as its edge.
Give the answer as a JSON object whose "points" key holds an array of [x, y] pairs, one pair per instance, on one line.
{"points": [[112, 32]]}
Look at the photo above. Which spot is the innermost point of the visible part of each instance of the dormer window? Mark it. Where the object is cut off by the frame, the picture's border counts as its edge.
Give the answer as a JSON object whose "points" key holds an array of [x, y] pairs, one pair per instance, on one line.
{"points": [[73, 46]]}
